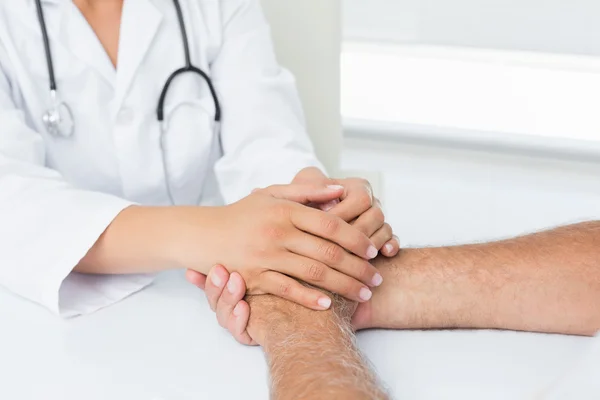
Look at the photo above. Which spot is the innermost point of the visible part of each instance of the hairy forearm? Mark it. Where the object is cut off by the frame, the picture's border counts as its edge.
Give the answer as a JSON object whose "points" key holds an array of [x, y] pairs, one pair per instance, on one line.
{"points": [[313, 355], [545, 282]]}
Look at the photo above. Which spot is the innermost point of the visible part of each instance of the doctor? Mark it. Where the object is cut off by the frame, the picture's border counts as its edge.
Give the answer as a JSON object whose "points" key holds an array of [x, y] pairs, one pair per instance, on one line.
{"points": [[125, 123]]}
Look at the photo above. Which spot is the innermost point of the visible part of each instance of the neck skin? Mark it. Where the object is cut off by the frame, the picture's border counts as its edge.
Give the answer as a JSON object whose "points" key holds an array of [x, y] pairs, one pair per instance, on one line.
{"points": [[545, 282], [104, 17], [97, 4]]}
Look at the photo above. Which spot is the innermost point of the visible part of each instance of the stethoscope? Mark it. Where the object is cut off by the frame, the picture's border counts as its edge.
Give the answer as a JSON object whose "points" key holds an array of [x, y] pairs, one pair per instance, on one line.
{"points": [[58, 119]]}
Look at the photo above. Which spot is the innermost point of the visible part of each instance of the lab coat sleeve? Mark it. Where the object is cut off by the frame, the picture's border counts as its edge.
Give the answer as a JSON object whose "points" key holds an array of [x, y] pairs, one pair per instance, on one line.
{"points": [[47, 226], [264, 138]]}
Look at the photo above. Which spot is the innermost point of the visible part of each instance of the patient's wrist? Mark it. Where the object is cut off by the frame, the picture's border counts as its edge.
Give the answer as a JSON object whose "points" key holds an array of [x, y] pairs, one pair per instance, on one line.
{"points": [[274, 320], [430, 288]]}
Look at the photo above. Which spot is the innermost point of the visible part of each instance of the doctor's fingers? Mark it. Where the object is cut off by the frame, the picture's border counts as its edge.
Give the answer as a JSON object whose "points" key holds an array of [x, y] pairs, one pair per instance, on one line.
{"points": [[280, 285], [391, 247], [371, 221], [304, 193], [279, 282], [215, 285], [357, 199], [382, 236], [333, 256], [334, 229]]}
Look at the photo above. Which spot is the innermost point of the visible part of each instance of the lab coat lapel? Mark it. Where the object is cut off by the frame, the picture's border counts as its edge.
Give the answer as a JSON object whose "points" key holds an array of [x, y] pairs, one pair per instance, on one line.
{"points": [[139, 24], [79, 37]]}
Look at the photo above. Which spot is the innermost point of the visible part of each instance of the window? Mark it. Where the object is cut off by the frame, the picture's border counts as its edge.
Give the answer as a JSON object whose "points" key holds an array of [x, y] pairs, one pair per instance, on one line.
{"points": [[551, 26], [475, 69]]}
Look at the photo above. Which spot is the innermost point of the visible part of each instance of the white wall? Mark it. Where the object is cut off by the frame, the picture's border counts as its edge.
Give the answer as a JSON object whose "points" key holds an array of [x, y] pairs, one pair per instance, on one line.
{"points": [[566, 26]]}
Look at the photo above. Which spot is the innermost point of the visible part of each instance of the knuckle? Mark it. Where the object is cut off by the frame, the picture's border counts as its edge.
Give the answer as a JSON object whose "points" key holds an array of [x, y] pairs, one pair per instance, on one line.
{"points": [[388, 230], [366, 271], [359, 241], [281, 210], [229, 299], [316, 272], [364, 182], [378, 215], [348, 288], [362, 228], [284, 289], [331, 253], [365, 200], [330, 226], [273, 232]]}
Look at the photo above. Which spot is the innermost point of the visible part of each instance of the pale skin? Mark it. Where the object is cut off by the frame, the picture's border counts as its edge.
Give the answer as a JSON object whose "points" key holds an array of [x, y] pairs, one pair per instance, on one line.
{"points": [[283, 238], [545, 282]]}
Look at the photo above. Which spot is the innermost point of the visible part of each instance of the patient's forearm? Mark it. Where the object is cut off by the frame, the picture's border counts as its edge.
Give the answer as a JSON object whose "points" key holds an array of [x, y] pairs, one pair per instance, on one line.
{"points": [[545, 282], [312, 354]]}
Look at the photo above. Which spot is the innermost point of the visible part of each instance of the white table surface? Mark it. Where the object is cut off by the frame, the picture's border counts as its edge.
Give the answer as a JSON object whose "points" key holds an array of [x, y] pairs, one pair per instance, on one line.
{"points": [[164, 344]]}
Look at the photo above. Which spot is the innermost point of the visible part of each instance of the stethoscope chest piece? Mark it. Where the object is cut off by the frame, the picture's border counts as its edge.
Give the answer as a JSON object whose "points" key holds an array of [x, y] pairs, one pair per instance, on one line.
{"points": [[58, 119]]}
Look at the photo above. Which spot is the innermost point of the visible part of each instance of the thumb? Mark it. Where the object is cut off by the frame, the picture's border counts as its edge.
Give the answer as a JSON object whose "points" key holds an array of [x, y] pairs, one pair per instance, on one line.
{"points": [[305, 194], [195, 278]]}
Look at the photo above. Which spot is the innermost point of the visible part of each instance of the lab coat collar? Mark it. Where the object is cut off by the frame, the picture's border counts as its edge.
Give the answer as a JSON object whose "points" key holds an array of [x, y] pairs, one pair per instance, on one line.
{"points": [[69, 29], [81, 40], [140, 23]]}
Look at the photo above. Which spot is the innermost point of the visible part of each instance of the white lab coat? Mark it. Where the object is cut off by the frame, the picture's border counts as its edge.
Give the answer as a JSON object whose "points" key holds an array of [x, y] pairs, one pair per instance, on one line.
{"points": [[58, 195]]}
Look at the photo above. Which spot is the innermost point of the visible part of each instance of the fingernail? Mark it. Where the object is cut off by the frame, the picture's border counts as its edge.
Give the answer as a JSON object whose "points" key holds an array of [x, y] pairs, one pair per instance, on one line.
{"points": [[365, 294], [389, 248], [324, 302], [216, 280], [231, 286], [372, 252], [377, 280], [335, 187], [237, 311], [328, 206]]}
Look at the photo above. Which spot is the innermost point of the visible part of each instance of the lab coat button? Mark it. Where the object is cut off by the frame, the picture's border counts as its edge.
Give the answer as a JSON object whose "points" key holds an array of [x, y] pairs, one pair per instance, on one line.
{"points": [[125, 116]]}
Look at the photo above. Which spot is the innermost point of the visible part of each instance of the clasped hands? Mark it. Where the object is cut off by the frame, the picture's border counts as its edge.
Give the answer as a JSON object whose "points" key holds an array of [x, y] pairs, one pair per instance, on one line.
{"points": [[320, 231]]}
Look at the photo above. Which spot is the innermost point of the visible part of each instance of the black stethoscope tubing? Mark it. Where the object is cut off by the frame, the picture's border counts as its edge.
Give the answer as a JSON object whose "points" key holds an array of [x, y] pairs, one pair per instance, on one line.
{"points": [[189, 67]]}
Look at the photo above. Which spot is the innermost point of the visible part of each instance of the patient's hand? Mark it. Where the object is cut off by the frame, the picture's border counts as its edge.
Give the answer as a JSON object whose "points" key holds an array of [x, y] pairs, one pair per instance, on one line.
{"points": [[357, 206], [308, 352], [250, 321]]}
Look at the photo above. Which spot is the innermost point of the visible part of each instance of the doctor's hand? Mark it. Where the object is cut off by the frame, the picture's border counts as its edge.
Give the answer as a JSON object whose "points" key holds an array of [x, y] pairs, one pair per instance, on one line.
{"points": [[270, 241], [356, 205]]}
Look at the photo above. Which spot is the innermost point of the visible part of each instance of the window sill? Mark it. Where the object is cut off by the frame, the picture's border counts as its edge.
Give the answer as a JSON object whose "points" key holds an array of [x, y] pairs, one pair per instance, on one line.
{"points": [[531, 101]]}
